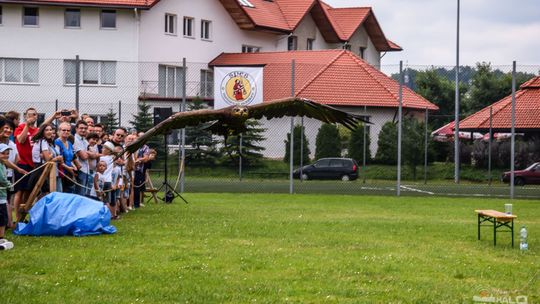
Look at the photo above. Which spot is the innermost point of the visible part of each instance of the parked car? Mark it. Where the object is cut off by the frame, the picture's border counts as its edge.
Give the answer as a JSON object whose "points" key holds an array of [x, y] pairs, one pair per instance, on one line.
{"points": [[345, 169], [528, 176]]}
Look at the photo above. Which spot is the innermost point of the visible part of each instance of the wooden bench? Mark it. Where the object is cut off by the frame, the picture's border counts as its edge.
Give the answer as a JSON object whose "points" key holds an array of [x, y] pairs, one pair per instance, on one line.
{"points": [[499, 220]]}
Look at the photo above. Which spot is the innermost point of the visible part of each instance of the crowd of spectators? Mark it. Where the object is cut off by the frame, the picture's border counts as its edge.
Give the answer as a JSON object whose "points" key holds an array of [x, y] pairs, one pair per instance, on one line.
{"points": [[89, 161]]}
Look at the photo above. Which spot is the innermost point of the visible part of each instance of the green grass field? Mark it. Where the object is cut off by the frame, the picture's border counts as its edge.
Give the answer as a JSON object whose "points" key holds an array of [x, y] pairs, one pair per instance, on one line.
{"points": [[279, 248]]}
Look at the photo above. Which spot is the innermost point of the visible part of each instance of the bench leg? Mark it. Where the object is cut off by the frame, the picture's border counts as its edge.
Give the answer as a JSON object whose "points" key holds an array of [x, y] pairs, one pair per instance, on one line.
{"points": [[494, 232], [479, 227], [512, 229]]}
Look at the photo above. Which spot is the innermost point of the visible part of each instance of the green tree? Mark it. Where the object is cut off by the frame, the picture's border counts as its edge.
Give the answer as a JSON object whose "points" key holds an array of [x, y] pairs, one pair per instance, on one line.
{"points": [[143, 120], [412, 144], [297, 146], [204, 150], [356, 144], [440, 91], [327, 142], [111, 121], [387, 144], [251, 148], [489, 86]]}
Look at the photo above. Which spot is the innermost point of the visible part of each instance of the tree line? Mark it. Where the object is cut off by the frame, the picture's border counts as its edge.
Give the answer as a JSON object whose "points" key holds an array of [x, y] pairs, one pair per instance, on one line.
{"points": [[479, 87]]}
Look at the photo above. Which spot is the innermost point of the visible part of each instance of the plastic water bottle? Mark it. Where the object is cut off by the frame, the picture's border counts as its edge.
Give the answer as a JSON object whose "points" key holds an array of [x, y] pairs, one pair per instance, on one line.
{"points": [[523, 239]]}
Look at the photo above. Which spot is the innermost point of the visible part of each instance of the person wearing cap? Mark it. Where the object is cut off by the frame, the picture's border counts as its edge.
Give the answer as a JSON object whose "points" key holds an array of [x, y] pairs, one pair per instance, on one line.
{"points": [[108, 159], [4, 186], [5, 134]]}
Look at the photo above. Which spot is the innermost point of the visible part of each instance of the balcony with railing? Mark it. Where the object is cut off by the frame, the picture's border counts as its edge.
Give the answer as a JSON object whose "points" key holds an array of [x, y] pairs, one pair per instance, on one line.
{"points": [[156, 90]]}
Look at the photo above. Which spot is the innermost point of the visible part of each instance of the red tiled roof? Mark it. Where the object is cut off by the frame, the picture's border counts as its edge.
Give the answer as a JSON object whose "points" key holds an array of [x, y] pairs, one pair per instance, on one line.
{"points": [[335, 77], [285, 15], [531, 84], [112, 3], [394, 46], [346, 20], [527, 111]]}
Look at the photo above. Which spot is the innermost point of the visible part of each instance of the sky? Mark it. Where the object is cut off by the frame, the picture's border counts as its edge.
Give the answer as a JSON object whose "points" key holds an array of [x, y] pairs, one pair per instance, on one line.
{"points": [[492, 31]]}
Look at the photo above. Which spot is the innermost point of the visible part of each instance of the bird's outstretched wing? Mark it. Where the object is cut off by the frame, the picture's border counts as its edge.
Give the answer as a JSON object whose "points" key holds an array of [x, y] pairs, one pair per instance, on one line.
{"points": [[304, 107], [177, 121]]}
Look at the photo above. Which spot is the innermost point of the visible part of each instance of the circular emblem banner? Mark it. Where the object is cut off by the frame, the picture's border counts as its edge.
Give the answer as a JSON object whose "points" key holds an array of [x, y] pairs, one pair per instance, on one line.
{"points": [[238, 86]]}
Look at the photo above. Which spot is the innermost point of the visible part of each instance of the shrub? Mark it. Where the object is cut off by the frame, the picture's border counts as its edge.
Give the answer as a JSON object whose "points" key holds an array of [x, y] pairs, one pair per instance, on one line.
{"points": [[328, 142], [296, 147]]}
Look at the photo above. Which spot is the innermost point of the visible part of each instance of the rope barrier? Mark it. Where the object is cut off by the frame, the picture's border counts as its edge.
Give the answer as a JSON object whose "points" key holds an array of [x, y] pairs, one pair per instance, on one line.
{"points": [[106, 191], [69, 178], [20, 179]]}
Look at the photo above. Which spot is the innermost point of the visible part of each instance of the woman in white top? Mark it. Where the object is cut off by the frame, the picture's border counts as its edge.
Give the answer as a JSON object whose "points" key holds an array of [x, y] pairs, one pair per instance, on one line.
{"points": [[44, 151]]}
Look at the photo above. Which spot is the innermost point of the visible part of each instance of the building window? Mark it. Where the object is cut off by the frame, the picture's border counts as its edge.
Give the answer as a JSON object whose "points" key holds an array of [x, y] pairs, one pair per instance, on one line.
{"points": [[108, 19], [292, 43], [362, 52], [206, 29], [0, 15], [102, 119], [72, 18], [171, 81], [309, 45], [91, 72], [30, 16], [188, 26], [250, 49], [207, 83], [170, 24], [15, 70]]}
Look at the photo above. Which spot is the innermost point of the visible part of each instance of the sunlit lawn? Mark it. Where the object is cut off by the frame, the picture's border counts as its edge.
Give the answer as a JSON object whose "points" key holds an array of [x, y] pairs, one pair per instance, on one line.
{"points": [[279, 248]]}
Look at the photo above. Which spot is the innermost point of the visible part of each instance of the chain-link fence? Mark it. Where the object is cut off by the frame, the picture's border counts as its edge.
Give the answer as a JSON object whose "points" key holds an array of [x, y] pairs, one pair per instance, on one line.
{"points": [[490, 141]]}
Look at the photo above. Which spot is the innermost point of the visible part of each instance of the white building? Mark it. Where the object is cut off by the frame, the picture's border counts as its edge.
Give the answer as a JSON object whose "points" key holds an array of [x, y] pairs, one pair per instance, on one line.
{"points": [[132, 50]]}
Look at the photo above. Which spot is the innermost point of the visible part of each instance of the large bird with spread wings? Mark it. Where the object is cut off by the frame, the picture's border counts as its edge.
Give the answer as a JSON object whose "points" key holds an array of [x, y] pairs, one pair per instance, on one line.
{"points": [[231, 120]]}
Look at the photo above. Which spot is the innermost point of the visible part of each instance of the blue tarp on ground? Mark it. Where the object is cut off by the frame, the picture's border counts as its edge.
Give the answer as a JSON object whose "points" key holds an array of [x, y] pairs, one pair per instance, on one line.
{"points": [[67, 214]]}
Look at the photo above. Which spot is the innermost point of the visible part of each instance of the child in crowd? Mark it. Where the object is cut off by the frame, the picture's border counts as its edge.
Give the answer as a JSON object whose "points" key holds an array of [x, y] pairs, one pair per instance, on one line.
{"points": [[108, 158], [4, 186], [117, 183], [93, 139], [99, 181]]}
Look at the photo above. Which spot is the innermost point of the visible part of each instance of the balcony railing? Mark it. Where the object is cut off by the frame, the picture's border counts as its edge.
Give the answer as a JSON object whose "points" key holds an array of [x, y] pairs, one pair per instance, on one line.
{"points": [[153, 89]]}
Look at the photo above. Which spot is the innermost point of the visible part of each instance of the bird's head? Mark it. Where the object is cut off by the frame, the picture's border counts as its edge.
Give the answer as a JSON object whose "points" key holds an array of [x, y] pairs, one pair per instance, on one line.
{"points": [[240, 112]]}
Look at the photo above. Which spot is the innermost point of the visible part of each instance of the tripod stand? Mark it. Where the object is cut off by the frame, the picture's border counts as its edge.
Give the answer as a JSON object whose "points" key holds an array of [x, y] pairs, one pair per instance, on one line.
{"points": [[169, 190]]}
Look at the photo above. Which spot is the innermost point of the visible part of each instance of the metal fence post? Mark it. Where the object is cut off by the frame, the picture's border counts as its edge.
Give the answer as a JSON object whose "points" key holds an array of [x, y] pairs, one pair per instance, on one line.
{"points": [[513, 140], [56, 110], [400, 119], [240, 157], [182, 153], [364, 148], [489, 143], [456, 106], [291, 153], [301, 146], [77, 81], [120, 113], [426, 146]]}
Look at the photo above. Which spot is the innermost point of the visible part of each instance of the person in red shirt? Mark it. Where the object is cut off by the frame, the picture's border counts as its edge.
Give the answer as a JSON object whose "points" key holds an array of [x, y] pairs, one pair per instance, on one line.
{"points": [[23, 139]]}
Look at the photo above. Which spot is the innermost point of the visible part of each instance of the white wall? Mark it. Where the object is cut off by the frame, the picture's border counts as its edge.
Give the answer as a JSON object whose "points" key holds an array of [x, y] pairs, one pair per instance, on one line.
{"points": [[156, 45], [361, 39], [51, 40], [277, 129], [51, 43]]}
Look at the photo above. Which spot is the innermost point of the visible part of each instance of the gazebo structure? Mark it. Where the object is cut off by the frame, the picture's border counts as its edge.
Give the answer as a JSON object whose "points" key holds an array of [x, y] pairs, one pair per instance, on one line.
{"points": [[446, 134], [498, 116]]}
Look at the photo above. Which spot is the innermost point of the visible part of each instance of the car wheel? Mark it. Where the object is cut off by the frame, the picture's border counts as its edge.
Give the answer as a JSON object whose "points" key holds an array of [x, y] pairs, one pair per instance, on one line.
{"points": [[305, 176], [519, 181], [345, 178]]}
